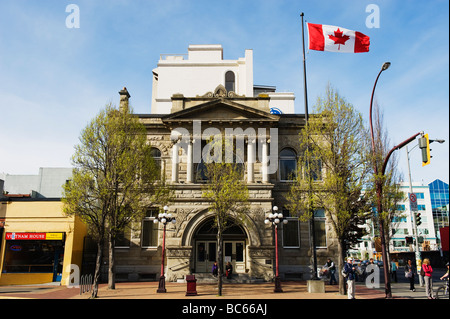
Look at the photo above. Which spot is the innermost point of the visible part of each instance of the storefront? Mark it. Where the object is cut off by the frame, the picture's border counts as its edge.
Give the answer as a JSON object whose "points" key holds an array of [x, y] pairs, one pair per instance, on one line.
{"points": [[37, 253], [39, 243]]}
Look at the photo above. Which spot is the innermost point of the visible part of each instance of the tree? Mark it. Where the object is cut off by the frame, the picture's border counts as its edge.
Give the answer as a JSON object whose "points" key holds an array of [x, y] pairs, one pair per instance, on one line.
{"points": [[228, 195], [392, 194], [333, 171], [114, 180]]}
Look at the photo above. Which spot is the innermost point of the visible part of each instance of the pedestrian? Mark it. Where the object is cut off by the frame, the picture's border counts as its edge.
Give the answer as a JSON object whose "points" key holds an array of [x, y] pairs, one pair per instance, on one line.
{"points": [[228, 270], [215, 269], [428, 277], [349, 271], [371, 265], [394, 270], [410, 271], [332, 269]]}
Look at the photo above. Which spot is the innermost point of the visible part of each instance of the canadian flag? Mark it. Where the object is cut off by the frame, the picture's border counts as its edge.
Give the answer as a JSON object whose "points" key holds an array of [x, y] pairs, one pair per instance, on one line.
{"points": [[336, 39]]}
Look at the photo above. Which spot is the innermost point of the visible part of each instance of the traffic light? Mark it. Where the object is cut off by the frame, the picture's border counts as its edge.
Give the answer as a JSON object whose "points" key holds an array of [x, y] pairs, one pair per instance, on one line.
{"points": [[424, 144], [418, 219], [409, 239]]}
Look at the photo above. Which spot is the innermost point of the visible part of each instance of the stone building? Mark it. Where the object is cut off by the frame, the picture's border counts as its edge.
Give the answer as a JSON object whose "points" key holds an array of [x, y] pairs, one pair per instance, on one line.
{"points": [[194, 97]]}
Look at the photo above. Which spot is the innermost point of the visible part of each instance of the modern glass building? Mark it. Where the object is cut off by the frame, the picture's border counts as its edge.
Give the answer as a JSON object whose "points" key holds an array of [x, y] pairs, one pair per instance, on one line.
{"points": [[439, 195]]}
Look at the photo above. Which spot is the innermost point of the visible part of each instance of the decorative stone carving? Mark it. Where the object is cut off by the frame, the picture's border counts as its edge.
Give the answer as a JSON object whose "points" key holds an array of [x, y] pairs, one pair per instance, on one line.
{"points": [[220, 92]]}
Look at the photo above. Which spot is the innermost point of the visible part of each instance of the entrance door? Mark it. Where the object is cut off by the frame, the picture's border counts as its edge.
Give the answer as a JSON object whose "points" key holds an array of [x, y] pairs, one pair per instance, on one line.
{"points": [[234, 253], [206, 256]]}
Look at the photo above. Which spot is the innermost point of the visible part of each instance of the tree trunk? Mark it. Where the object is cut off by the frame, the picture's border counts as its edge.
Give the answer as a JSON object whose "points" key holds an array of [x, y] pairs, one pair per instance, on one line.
{"points": [[219, 260], [112, 265], [98, 265], [341, 254]]}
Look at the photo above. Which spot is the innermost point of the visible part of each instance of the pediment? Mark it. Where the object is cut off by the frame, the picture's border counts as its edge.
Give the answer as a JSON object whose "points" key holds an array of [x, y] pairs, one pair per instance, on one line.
{"points": [[221, 110]]}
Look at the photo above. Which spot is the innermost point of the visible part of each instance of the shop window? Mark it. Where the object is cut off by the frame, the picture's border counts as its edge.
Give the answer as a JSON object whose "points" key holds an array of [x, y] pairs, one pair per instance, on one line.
{"points": [[150, 229], [33, 256]]}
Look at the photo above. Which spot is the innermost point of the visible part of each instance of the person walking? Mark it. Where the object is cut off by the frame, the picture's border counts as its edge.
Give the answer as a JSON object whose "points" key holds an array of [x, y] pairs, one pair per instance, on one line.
{"points": [[394, 270], [410, 271], [428, 277], [349, 271], [332, 269]]}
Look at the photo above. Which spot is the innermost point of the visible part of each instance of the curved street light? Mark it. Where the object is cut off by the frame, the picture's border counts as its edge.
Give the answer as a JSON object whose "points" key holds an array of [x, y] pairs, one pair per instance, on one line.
{"points": [[379, 188], [163, 218], [276, 218]]}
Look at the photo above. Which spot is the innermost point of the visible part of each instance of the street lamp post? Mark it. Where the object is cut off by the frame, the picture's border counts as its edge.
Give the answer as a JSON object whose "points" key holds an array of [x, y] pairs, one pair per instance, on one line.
{"points": [[163, 218], [379, 184], [275, 219], [379, 188]]}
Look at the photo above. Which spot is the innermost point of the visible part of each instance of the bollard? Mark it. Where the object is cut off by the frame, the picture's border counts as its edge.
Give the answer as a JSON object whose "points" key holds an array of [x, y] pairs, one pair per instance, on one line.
{"points": [[191, 285]]}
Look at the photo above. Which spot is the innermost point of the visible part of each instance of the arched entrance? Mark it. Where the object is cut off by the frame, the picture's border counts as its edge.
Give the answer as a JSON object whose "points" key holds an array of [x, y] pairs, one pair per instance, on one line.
{"points": [[205, 247]]}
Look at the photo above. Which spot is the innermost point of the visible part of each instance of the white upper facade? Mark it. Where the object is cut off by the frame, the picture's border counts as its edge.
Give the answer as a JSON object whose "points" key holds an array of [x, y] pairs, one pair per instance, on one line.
{"points": [[202, 70]]}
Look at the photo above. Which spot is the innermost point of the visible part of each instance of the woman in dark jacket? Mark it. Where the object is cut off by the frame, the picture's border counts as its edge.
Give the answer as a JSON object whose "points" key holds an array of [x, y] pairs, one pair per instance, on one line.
{"points": [[410, 273]]}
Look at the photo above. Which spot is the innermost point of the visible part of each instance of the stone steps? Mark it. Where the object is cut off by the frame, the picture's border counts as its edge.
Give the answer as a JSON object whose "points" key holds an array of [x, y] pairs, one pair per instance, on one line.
{"points": [[236, 278]]}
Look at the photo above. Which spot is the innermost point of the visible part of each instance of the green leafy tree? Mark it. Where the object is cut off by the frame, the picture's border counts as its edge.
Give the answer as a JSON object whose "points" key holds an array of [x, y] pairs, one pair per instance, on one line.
{"points": [[228, 195], [333, 171], [114, 180]]}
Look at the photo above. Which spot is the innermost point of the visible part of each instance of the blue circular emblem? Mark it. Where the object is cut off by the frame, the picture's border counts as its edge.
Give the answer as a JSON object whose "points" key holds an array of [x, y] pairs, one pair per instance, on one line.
{"points": [[275, 110]]}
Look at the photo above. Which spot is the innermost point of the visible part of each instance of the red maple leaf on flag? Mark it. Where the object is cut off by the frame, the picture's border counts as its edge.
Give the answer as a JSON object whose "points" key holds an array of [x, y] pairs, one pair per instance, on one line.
{"points": [[338, 38]]}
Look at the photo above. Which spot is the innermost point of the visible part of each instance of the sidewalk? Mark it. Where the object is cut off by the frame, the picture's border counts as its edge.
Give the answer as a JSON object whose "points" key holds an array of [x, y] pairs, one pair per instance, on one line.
{"points": [[147, 290]]}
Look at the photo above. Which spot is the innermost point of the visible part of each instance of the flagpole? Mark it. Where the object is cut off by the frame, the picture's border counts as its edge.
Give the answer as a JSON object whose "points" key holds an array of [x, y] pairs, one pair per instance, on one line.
{"points": [[311, 222], [304, 71]]}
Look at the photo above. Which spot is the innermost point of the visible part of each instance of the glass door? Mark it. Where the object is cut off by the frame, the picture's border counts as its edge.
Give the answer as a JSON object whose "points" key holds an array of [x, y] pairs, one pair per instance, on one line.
{"points": [[206, 252], [234, 252]]}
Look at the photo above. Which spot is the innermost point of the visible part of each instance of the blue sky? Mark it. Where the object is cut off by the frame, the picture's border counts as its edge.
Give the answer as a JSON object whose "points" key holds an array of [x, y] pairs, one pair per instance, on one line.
{"points": [[54, 79]]}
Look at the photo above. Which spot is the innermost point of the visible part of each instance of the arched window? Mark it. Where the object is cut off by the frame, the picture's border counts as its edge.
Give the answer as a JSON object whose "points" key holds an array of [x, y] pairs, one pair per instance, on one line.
{"points": [[230, 81], [288, 164]]}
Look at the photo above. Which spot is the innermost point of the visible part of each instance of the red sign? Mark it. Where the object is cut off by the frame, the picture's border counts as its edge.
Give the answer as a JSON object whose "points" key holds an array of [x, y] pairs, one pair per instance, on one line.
{"points": [[33, 236], [444, 238]]}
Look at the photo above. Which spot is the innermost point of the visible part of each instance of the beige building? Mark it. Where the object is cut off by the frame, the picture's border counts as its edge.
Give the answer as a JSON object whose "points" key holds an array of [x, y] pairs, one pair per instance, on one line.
{"points": [[267, 148]]}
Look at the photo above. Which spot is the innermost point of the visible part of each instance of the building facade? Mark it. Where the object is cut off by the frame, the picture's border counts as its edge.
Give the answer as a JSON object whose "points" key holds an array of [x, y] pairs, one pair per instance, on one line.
{"points": [[432, 205], [194, 99], [38, 243]]}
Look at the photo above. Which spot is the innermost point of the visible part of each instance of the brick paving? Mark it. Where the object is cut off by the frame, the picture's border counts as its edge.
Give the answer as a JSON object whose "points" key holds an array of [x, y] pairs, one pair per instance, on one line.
{"points": [[147, 290]]}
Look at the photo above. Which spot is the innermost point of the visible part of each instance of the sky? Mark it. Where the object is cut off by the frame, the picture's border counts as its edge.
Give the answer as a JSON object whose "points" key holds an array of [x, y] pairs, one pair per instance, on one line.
{"points": [[55, 75]]}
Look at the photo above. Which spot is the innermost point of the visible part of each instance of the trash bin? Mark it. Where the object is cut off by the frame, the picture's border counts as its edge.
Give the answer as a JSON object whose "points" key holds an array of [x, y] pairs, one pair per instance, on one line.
{"points": [[191, 285]]}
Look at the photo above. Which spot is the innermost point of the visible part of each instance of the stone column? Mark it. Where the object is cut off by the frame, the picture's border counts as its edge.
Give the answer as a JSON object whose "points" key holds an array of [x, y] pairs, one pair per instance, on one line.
{"points": [[124, 97], [265, 160], [175, 161], [250, 160], [190, 163]]}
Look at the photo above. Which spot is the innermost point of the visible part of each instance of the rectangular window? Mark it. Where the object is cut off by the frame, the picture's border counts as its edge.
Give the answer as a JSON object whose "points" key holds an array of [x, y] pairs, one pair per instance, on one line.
{"points": [[320, 229], [123, 239], [291, 231], [150, 229]]}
